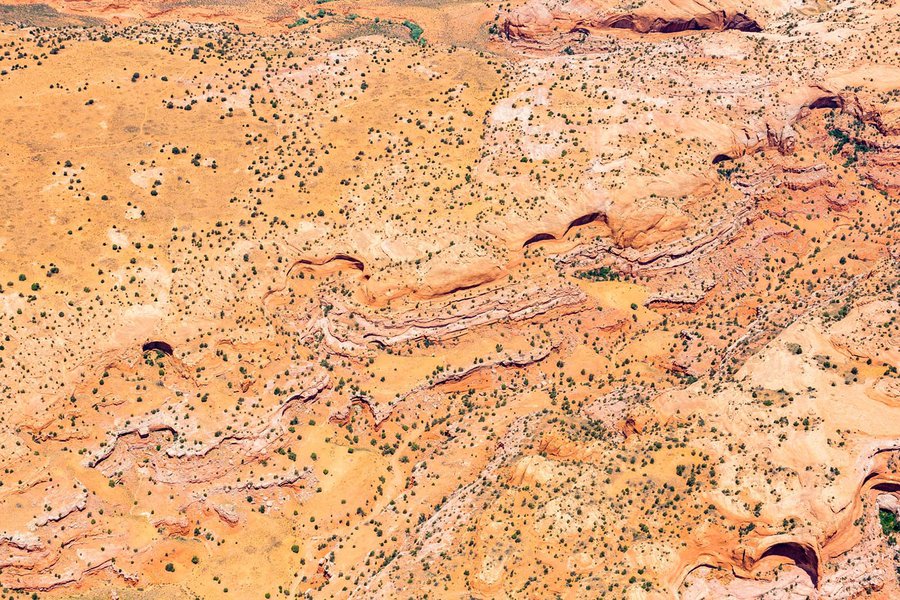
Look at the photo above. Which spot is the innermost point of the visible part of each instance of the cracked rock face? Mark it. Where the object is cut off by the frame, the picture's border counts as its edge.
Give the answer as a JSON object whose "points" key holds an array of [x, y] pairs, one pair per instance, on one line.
{"points": [[451, 299]]}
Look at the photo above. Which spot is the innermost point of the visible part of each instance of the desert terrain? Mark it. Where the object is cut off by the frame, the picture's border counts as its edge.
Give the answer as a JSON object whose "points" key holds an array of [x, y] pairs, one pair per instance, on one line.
{"points": [[450, 299]]}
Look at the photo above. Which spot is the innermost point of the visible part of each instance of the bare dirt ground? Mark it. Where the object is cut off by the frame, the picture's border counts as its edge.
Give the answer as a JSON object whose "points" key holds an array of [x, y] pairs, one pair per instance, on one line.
{"points": [[448, 299]]}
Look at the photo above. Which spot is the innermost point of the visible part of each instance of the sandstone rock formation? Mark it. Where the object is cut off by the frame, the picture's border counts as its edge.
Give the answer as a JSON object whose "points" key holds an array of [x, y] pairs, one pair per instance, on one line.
{"points": [[521, 300]]}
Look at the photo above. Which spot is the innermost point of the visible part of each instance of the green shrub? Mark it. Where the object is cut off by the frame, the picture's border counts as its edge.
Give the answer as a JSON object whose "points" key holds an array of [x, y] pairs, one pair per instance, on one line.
{"points": [[415, 31]]}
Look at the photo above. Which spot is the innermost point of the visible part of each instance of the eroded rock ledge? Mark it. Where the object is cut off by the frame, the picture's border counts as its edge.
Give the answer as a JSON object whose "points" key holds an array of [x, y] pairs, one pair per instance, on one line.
{"points": [[549, 24]]}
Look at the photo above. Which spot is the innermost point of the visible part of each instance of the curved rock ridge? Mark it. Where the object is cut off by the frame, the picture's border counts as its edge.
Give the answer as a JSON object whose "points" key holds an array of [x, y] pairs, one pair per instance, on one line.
{"points": [[542, 24], [249, 442], [347, 329], [781, 135]]}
